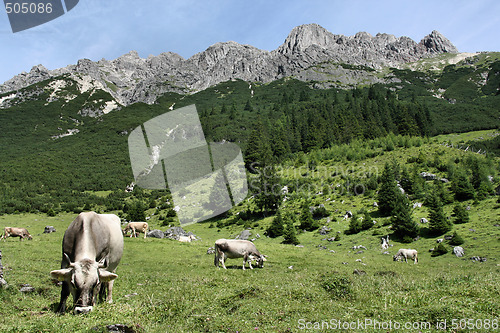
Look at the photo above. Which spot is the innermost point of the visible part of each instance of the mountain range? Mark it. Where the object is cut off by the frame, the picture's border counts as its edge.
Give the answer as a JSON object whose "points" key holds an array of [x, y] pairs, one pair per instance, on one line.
{"points": [[310, 53]]}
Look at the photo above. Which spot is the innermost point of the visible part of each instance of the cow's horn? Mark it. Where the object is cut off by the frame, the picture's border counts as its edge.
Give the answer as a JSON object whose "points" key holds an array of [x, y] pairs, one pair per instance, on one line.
{"points": [[103, 263], [66, 257]]}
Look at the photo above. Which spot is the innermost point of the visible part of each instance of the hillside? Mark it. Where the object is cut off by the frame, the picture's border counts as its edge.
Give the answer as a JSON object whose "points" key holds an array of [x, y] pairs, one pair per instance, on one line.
{"points": [[164, 285]]}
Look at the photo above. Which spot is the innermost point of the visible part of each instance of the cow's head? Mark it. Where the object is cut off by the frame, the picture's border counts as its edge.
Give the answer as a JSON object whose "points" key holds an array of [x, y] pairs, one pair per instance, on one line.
{"points": [[260, 260], [395, 258], [84, 278]]}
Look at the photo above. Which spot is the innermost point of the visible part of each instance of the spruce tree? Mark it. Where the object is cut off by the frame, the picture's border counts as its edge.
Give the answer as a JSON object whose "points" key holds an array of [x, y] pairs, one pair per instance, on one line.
{"points": [[276, 228], [367, 222], [403, 225], [354, 225], [438, 223], [388, 192], [462, 187], [306, 219], [290, 233], [461, 214]]}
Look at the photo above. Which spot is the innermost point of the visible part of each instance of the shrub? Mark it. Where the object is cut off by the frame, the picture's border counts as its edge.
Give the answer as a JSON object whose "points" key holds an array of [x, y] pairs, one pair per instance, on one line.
{"points": [[338, 286], [439, 250], [457, 239], [461, 215]]}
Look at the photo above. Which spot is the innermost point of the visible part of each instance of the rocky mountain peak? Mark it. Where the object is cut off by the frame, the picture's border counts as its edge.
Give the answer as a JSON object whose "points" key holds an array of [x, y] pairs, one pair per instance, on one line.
{"points": [[435, 42], [303, 36], [130, 78]]}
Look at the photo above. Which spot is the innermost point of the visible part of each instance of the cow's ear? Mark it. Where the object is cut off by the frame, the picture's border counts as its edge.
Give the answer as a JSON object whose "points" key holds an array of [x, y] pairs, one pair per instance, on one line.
{"points": [[105, 276], [62, 274]]}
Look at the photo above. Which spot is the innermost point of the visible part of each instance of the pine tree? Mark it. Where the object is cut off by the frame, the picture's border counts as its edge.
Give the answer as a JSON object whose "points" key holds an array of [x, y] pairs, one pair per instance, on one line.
{"points": [[367, 222], [354, 225], [306, 219], [462, 187], [277, 227], [406, 181], [461, 215], [290, 233], [388, 192], [438, 223], [403, 225], [218, 194]]}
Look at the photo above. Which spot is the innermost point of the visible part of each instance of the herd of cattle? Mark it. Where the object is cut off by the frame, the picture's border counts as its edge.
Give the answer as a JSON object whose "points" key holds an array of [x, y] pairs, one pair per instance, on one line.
{"points": [[93, 246]]}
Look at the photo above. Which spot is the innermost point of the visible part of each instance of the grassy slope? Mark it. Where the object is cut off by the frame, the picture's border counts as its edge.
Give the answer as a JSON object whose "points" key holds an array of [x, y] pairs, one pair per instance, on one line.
{"points": [[179, 290]]}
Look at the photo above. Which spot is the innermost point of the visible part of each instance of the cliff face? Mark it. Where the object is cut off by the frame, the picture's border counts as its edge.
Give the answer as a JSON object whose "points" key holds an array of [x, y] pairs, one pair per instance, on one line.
{"points": [[131, 79]]}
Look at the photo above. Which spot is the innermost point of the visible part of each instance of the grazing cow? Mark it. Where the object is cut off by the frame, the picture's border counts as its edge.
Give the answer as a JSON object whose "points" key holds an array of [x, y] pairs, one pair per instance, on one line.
{"points": [[187, 239], [92, 248], [136, 227], [406, 253], [237, 248], [22, 233], [385, 243]]}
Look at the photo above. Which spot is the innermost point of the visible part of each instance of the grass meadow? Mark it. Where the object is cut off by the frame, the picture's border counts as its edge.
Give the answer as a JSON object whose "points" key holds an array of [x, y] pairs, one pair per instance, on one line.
{"points": [[168, 286]]}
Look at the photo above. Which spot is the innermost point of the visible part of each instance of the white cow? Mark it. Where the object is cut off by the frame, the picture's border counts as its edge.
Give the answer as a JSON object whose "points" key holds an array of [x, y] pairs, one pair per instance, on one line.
{"points": [[385, 243], [186, 239], [92, 248], [237, 248], [406, 253]]}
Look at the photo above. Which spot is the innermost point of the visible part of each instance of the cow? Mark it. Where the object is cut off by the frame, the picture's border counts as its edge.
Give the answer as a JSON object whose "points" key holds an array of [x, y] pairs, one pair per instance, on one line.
{"points": [[385, 243], [406, 253], [186, 239], [237, 248], [136, 227], [91, 250], [22, 233]]}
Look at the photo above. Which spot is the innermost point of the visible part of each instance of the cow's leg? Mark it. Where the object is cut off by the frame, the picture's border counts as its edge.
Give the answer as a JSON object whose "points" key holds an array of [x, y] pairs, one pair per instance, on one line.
{"points": [[223, 262], [109, 297], [145, 231], [64, 295]]}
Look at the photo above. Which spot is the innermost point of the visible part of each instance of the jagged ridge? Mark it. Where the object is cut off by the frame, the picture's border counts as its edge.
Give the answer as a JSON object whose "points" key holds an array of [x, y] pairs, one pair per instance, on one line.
{"points": [[131, 79]]}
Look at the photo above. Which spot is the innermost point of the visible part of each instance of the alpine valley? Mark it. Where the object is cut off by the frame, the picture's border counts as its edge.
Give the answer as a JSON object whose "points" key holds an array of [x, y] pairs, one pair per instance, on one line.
{"points": [[346, 140]]}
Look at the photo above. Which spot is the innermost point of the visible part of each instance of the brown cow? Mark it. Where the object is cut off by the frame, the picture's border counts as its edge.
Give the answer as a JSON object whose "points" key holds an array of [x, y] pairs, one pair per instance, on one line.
{"points": [[22, 233], [136, 227]]}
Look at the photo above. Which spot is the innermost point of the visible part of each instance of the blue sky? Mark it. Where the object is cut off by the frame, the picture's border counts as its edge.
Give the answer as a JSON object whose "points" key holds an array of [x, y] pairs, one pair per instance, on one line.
{"points": [[97, 29]]}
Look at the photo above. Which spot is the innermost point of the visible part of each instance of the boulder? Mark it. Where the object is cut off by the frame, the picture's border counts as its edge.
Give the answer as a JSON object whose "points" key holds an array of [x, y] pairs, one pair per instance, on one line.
{"points": [[49, 229], [458, 251], [175, 232], [359, 272], [155, 233], [26, 288], [244, 235], [324, 230]]}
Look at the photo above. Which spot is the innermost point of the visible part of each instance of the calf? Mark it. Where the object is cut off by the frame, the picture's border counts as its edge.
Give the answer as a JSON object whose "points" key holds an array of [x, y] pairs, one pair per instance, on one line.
{"points": [[22, 233], [136, 227], [406, 253], [237, 248]]}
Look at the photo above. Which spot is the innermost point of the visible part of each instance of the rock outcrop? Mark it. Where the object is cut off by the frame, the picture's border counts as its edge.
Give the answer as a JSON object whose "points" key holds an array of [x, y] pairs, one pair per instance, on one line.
{"points": [[131, 79]]}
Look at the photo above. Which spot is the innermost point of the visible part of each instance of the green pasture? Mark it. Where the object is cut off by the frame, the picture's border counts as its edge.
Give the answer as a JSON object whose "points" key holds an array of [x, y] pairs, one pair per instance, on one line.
{"points": [[168, 286]]}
